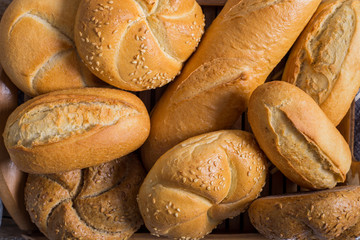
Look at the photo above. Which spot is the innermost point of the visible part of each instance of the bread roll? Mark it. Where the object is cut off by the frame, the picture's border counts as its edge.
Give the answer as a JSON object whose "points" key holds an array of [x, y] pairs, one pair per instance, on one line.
{"points": [[37, 48], [297, 136], [324, 60], [12, 181], [329, 214], [239, 50], [200, 182], [75, 128], [94, 203], [137, 45]]}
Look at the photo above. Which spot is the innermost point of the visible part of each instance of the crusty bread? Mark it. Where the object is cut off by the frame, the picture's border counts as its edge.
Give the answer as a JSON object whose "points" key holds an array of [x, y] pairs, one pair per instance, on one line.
{"points": [[200, 182], [297, 137], [137, 44], [324, 60], [37, 48], [75, 128], [12, 181], [94, 203], [328, 214], [237, 53]]}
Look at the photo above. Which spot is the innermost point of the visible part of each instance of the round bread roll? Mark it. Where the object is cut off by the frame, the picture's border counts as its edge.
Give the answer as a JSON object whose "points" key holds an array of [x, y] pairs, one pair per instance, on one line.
{"points": [[297, 137], [37, 48], [324, 60], [137, 45], [200, 182], [328, 214], [75, 128], [94, 203]]}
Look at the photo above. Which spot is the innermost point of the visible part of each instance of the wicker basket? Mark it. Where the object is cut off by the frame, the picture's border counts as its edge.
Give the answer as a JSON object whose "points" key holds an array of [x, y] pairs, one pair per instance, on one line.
{"points": [[236, 228]]}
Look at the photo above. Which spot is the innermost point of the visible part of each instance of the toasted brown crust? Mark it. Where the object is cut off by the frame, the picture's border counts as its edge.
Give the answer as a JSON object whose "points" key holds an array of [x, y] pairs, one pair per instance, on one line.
{"points": [[37, 48], [323, 61], [137, 44], [94, 203], [75, 128], [12, 181], [329, 214], [297, 136], [237, 53], [200, 182]]}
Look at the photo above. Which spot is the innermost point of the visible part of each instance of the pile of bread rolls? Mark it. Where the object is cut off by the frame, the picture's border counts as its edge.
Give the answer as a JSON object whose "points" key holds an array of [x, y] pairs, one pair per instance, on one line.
{"points": [[77, 136]]}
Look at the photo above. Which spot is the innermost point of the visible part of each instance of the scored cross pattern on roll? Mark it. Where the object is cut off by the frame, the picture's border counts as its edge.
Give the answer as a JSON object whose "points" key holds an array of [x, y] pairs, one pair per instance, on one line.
{"points": [[37, 49], [94, 203], [137, 44], [201, 182]]}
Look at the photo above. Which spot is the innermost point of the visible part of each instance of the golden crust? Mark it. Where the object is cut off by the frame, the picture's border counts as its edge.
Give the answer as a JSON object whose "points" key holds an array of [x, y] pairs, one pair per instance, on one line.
{"points": [[329, 214], [94, 203], [237, 53], [63, 140], [297, 136], [37, 48], [201, 182], [323, 60], [137, 45]]}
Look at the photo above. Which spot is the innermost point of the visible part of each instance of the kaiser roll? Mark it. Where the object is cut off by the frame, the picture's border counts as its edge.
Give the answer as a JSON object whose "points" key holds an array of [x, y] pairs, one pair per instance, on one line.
{"points": [[37, 48], [328, 214], [137, 45], [94, 203], [200, 182]]}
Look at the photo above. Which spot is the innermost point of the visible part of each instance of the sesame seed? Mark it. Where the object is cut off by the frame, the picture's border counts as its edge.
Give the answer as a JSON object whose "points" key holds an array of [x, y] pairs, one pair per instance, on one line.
{"points": [[168, 211], [107, 23], [100, 54], [134, 62], [97, 63], [97, 69], [109, 46], [110, 2], [111, 8], [87, 40], [153, 200], [176, 215], [208, 188], [99, 34]]}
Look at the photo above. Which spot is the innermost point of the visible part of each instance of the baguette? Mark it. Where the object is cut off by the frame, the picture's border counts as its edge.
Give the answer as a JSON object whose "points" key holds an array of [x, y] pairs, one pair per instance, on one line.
{"points": [[239, 50], [297, 137], [324, 60], [75, 128]]}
